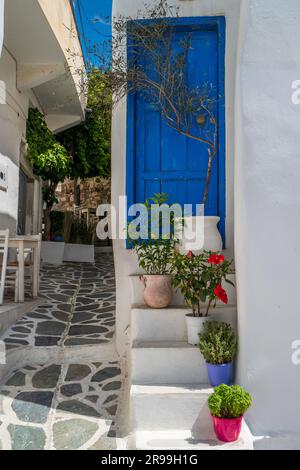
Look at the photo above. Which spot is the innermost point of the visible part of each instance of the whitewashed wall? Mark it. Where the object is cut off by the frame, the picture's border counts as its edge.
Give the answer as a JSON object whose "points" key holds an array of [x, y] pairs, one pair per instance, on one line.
{"points": [[13, 112], [267, 216], [1, 24], [263, 154]]}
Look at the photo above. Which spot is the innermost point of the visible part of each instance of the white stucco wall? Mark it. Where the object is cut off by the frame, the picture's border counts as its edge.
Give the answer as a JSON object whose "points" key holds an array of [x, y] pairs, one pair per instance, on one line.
{"points": [[13, 113], [263, 203], [267, 215], [26, 64], [125, 261]]}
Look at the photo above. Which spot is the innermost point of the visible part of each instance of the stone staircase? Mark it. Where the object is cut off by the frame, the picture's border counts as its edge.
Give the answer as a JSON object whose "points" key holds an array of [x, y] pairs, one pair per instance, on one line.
{"points": [[169, 382]]}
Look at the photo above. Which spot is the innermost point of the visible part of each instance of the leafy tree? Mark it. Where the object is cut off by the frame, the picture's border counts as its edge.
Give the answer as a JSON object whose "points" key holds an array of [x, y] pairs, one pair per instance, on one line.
{"points": [[49, 159], [161, 79], [89, 143]]}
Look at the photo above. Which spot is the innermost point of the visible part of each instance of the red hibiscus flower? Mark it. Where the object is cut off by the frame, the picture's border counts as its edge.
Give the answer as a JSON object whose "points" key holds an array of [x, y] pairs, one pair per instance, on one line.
{"points": [[190, 254], [221, 294], [216, 259]]}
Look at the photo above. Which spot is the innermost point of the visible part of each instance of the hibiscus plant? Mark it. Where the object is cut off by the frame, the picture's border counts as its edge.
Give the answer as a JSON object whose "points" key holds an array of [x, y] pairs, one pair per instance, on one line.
{"points": [[200, 279]]}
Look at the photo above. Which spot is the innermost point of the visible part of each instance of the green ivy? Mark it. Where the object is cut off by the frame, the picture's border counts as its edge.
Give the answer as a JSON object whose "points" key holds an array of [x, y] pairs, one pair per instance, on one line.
{"points": [[49, 159]]}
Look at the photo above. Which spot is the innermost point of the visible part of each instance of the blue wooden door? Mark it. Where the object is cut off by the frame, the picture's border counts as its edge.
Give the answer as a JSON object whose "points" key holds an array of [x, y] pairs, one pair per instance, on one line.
{"points": [[167, 161]]}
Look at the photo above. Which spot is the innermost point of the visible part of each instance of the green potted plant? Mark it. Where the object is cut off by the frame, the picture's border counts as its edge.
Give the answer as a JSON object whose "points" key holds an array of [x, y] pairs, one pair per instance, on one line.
{"points": [[79, 238], [57, 223], [218, 344], [227, 406], [154, 254], [200, 279]]}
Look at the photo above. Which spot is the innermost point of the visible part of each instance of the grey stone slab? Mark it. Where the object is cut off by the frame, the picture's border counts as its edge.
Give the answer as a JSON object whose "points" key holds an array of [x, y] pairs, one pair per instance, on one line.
{"points": [[112, 386], [47, 377], [73, 433], [62, 316], [81, 330], [32, 407], [112, 410], [79, 317], [88, 308], [17, 380], [77, 372], [26, 438], [110, 399], [106, 373], [84, 341], [79, 408], [92, 398], [69, 390], [21, 329], [50, 328], [47, 341]]}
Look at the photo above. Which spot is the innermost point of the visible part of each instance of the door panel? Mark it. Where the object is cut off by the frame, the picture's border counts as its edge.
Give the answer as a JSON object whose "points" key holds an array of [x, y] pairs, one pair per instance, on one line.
{"points": [[163, 159]]}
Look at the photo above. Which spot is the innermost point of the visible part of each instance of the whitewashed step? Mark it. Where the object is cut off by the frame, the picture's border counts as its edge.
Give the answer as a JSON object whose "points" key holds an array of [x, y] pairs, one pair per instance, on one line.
{"points": [[167, 363], [137, 289], [169, 324], [177, 417]]}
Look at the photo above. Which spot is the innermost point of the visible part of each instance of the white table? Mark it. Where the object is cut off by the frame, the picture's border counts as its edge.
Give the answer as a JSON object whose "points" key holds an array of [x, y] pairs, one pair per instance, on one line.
{"points": [[22, 243]]}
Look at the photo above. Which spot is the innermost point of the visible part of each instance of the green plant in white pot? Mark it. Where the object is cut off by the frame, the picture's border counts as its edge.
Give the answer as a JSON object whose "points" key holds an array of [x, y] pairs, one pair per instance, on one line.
{"points": [[200, 278]]}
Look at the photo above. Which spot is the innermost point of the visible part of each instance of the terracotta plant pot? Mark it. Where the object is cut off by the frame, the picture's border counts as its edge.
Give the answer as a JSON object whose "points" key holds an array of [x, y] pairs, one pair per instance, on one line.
{"points": [[158, 290], [227, 430]]}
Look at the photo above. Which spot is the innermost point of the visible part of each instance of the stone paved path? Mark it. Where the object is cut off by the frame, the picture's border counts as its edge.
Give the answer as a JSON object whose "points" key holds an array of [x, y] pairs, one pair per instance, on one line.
{"points": [[79, 308], [70, 404]]}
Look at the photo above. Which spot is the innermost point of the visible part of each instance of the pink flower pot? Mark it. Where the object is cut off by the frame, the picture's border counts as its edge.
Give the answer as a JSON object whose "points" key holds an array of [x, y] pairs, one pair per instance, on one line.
{"points": [[227, 430]]}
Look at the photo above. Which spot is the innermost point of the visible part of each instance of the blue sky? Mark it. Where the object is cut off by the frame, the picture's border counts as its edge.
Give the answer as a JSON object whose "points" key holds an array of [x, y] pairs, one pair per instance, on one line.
{"points": [[94, 22]]}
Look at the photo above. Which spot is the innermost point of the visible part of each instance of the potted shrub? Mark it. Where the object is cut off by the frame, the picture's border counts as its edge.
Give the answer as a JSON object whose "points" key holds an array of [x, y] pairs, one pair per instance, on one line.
{"points": [[154, 254], [57, 223], [200, 279], [227, 406], [218, 344]]}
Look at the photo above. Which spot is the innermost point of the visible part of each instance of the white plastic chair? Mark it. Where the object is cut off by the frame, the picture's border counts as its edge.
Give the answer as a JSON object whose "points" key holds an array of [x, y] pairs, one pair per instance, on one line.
{"points": [[29, 258], [9, 271]]}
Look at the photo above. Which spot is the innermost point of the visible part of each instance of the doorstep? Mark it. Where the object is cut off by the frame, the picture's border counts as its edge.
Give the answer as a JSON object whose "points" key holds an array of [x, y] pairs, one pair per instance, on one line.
{"points": [[169, 324], [167, 362], [176, 417]]}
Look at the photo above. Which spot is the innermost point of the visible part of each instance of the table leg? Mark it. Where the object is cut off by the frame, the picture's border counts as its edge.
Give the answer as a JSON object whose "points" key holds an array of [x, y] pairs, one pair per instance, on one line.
{"points": [[21, 271], [35, 273]]}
